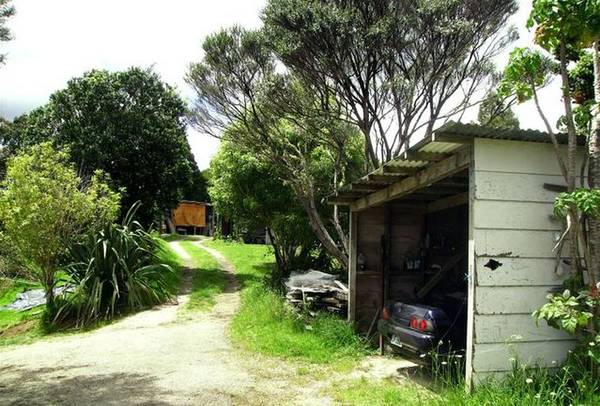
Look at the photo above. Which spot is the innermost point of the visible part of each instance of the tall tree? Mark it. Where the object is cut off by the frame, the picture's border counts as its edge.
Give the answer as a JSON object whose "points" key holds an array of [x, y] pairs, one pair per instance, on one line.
{"points": [[129, 124], [242, 97], [249, 191], [396, 67], [6, 11], [564, 27]]}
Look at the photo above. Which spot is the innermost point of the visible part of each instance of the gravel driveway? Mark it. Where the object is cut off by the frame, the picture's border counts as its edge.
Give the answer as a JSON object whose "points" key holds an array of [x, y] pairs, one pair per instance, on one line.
{"points": [[148, 358]]}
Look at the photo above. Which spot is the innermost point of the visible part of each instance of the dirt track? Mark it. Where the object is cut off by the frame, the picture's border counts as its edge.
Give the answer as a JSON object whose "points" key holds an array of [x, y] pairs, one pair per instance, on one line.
{"points": [[155, 357], [148, 358]]}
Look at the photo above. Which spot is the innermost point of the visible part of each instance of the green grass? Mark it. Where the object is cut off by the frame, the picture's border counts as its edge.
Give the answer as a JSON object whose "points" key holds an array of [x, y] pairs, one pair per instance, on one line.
{"points": [[267, 325], [381, 393], [207, 282], [17, 326]]}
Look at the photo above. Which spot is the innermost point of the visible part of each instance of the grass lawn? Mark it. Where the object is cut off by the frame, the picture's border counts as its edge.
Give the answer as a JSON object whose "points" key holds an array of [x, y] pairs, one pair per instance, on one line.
{"points": [[267, 325], [208, 279]]}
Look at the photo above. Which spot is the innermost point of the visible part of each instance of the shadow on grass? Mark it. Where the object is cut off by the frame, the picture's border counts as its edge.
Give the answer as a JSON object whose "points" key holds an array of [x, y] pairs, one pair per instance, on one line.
{"points": [[180, 237], [63, 385], [207, 282]]}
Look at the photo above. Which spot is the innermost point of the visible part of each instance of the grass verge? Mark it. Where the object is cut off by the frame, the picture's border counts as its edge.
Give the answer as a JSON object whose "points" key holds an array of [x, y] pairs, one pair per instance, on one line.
{"points": [[381, 393], [267, 325], [207, 282]]}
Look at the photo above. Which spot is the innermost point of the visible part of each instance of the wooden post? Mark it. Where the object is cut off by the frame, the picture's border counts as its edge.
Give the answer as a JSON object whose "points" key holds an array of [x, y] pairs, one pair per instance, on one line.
{"points": [[471, 278], [353, 246], [386, 243]]}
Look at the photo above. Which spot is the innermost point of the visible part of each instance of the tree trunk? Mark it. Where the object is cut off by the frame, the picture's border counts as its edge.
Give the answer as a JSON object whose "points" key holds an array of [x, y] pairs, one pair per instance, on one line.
{"points": [[321, 231], [571, 156], [594, 170]]}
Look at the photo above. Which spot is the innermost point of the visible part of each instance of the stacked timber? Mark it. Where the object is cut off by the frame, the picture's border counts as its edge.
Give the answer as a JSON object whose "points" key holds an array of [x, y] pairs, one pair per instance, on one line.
{"points": [[315, 290]]}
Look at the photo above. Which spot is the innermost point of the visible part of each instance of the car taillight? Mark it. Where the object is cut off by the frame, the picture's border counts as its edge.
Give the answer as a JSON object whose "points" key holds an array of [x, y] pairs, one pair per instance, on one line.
{"points": [[386, 314], [421, 324]]}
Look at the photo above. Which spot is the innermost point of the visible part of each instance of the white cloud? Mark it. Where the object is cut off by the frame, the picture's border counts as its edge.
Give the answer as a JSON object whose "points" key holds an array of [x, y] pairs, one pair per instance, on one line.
{"points": [[59, 39]]}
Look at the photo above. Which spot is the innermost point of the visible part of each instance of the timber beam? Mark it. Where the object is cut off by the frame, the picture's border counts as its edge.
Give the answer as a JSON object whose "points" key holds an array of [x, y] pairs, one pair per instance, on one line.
{"points": [[399, 170], [435, 172], [385, 178], [424, 156]]}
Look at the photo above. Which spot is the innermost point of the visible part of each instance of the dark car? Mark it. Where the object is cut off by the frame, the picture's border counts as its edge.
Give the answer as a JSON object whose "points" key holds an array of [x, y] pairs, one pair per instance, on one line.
{"points": [[413, 327]]}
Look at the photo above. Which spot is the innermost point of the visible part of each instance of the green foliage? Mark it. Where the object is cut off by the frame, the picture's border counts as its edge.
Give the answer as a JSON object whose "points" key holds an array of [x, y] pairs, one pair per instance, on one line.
{"points": [[129, 124], [494, 112], [526, 71], [585, 201], [250, 192], [406, 56], [265, 324], [113, 270], [581, 78], [568, 312], [207, 282], [574, 22], [45, 207]]}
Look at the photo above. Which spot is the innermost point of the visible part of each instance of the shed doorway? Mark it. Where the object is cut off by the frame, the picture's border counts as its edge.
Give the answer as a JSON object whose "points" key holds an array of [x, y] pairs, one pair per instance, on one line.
{"points": [[412, 269]]}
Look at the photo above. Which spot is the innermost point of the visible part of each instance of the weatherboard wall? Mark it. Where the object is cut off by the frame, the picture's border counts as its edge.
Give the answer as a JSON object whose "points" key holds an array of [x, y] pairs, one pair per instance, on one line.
{"points": [[512, 223]]}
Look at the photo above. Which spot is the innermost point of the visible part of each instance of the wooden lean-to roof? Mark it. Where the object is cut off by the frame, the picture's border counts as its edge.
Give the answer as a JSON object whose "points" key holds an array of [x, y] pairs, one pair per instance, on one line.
{"points": [[432, 170]]}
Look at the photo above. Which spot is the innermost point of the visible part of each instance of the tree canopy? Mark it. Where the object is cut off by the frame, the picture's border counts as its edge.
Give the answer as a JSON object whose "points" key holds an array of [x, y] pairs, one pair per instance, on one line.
{"points": [[495, 112], [129, 124], [395, 67], [242, 97]]}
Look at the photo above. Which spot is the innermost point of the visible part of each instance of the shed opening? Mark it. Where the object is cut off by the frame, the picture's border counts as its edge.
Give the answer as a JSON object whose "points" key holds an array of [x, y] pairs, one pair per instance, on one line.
{"points": [[412, 268]]}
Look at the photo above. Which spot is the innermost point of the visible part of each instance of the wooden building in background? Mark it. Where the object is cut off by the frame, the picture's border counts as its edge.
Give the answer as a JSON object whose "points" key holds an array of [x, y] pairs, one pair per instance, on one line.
{"points": [[192, 218]]}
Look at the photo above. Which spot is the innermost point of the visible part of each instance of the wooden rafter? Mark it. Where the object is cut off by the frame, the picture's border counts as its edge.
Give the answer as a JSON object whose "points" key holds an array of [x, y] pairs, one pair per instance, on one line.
{"points": [[428, 175], [385, 178], [424, 156], [397, 170]]}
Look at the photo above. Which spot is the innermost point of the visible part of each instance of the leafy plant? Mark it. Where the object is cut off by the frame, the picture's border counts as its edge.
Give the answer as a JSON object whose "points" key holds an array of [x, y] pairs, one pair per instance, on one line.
{"points": [[113, 270], [568, 312], [45, 207]]}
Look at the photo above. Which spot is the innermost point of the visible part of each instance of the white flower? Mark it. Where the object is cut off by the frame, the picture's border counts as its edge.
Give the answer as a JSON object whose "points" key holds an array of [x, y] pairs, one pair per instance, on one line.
{"points": [[566, 293], [598, 286], [444, 363], [528, 380], [422, 355], [459, 356], [549, 296], [554, 362], [537, 396], [591, 343]]}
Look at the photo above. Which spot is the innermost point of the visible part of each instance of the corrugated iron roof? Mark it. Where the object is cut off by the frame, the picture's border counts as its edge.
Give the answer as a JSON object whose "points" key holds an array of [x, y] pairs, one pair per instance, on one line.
{"points": [[444, 141]]}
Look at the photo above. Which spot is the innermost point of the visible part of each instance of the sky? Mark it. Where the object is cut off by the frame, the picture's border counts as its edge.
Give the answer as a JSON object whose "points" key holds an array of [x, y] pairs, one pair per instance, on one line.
{"points": [[60, 39]]}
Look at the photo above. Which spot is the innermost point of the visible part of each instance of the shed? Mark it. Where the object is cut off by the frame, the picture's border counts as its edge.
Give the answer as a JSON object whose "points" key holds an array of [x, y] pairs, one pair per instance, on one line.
{"points": [[465, 214], [191, 215]]}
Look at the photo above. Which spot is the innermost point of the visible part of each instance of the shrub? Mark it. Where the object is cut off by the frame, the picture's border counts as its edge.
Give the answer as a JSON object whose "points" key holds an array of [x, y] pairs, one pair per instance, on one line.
{"points": [[45, 207], [113, 270]]}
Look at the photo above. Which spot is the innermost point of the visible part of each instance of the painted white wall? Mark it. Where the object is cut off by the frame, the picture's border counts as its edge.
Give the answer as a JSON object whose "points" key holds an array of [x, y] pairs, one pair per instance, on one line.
{"points": [[512, 223]]}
